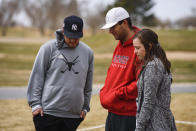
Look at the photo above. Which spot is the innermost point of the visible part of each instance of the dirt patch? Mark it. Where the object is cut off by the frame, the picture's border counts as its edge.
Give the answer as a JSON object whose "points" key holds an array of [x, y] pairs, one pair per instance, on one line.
{"points": [[177, 55], [2, 55], [174, 55], [16, 40], [106, 55]]}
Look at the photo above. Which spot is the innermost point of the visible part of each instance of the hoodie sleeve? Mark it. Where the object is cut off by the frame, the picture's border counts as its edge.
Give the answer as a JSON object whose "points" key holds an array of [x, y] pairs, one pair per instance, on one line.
{"points": [[130, 91], [152, 80], [37, 78], [127, 92], [88, 85]]}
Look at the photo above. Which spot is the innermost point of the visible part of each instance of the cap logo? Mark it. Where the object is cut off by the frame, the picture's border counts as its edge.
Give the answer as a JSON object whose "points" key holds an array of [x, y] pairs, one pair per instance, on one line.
{"points": [[74, 27]]}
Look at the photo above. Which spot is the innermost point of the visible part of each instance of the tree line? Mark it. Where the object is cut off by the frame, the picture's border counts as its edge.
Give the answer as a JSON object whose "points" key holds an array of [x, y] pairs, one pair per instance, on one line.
{"points": [[49, 14]]}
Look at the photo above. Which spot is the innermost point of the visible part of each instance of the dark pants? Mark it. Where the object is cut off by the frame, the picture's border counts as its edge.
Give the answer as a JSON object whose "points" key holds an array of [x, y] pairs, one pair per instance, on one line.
{"points": [[120, 123], [52, 123]]}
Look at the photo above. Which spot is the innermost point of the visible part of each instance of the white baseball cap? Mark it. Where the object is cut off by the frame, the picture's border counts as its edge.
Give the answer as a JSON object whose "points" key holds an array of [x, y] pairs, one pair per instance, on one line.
{"points": [[115, 15]]}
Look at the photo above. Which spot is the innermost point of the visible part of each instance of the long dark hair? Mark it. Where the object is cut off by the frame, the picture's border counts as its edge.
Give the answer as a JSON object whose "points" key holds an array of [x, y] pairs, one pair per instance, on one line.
{"points": [[153, 48]]}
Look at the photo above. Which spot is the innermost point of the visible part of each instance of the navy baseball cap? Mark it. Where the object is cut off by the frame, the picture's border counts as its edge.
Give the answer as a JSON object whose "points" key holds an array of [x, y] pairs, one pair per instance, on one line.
{"points": [[73, 27]]}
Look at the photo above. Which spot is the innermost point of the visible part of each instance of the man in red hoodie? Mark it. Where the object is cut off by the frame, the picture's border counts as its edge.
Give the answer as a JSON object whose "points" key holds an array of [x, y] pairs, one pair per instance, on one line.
{"points": [[119, 92]]}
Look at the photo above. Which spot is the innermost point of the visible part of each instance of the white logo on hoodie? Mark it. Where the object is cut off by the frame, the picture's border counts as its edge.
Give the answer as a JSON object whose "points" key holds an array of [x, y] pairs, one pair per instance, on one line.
{"points": [[60, 56]]}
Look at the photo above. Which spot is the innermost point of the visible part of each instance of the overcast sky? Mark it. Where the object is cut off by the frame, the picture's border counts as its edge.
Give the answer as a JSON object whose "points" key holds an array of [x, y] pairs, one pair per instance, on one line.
{"points": [[163, 9], [173, 9]]}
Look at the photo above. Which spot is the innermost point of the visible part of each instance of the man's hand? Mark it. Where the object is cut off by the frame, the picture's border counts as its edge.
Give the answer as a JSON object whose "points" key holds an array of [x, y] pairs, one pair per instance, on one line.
{"points": [[83, 114], [38, 111]]}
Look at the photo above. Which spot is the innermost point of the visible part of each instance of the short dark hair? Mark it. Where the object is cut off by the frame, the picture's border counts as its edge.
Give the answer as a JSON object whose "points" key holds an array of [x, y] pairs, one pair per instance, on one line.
{"points": [[129, 22]]}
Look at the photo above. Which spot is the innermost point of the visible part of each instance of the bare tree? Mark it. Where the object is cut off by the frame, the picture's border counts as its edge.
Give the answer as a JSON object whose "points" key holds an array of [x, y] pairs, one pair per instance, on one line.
{"points": [[193, 11], [188, 21], [73, 8], [138, 9], [49, 14], [8, 8], [165, 24], [95, 20], [37, 12], [57, 10]]}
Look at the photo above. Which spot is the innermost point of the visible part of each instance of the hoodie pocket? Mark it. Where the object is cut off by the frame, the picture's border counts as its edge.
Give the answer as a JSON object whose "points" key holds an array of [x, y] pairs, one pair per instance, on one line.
{"points": [[62, 99]]}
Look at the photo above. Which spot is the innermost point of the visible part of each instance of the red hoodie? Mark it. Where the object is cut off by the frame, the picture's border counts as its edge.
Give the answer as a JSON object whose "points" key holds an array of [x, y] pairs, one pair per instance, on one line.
{"points": [[119, 93]]}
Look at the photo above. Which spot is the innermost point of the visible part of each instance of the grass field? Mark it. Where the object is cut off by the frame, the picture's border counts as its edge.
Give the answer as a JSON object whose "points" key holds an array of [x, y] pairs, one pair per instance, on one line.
{"points": [[181, 40], [16, 59], [16, 115], [15, 67], [171, 40]]}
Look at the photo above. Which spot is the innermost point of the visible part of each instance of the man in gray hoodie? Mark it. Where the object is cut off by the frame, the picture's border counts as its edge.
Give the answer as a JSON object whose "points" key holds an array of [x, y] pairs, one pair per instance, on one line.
{"points": [[60, 85]]}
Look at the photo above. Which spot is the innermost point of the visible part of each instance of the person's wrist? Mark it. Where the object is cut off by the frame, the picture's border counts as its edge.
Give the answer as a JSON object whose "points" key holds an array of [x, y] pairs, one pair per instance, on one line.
{"points": [[36, 107], [85, 111]]}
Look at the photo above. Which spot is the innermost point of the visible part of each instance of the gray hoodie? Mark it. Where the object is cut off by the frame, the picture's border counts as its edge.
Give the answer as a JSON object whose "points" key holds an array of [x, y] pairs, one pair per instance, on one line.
{"points": [[61, 78]]}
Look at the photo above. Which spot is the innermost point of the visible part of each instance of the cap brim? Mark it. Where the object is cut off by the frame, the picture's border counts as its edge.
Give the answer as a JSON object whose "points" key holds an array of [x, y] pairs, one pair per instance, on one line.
{"points": [[73, 34], [108, 25]]}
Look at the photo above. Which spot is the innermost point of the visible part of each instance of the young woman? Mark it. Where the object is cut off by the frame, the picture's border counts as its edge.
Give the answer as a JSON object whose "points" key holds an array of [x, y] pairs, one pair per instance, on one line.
{"points": [[154, 96]]}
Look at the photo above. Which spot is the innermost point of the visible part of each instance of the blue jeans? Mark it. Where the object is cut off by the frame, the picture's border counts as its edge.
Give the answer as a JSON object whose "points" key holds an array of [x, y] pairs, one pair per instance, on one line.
{"points": [[120, 123], [53, 123]]}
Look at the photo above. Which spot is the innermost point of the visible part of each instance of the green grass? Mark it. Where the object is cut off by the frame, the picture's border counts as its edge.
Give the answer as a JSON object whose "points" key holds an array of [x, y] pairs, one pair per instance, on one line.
{"points": [[24, 32], [17, 56], [16, 61], [171, 40], [102, 42], [19, 49], [183, 71], [177, 40], [15, 70], [100, 70]]}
